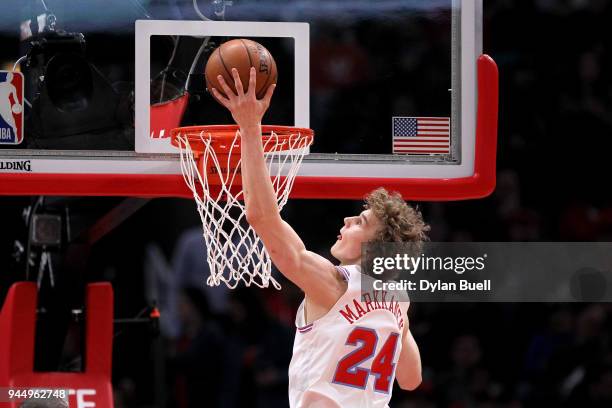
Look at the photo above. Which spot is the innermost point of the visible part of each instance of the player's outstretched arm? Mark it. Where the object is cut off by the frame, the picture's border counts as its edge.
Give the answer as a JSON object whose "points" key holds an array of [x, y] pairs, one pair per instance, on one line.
{"points": [[408, 372], [315, 275]]}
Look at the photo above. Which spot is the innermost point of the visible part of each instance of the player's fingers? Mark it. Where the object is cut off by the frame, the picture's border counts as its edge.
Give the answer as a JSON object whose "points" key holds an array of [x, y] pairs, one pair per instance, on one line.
{"points": [[252, 82], [230, 94], [224, 101], [237, 82], [268, 96]]}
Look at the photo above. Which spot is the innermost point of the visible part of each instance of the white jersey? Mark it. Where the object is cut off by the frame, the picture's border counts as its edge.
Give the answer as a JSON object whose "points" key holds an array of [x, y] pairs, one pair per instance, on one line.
{"points": [[347, 358]]}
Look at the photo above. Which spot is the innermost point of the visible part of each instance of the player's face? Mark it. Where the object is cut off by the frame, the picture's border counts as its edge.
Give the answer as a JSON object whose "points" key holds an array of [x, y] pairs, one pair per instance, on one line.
{"points": [[356, 230]]}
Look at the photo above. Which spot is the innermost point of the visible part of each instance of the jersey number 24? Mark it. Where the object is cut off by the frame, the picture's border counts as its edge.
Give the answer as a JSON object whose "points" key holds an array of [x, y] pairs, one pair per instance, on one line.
{"points": [[350, 373]]}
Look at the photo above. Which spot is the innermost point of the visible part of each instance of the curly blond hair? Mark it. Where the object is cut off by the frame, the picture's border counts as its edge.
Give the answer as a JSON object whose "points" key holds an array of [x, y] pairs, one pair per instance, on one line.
{"points": [[401, 222]]}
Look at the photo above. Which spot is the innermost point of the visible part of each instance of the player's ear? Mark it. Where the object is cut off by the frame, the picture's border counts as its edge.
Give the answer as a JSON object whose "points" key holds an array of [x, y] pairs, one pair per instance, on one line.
{"points": [[377, 230]]}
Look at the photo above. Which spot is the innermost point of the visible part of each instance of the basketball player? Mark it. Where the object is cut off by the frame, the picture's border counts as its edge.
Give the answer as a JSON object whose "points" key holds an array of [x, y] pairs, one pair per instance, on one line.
{"points": [[347, 351]]}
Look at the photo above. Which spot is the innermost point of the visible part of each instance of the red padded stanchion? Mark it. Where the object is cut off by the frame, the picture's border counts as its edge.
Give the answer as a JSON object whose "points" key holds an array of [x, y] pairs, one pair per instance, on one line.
{"points": [[89, 389]]}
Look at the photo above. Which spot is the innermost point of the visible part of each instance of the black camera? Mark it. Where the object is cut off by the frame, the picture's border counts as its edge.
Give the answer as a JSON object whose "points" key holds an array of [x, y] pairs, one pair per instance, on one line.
{"points": [[70, 97]]}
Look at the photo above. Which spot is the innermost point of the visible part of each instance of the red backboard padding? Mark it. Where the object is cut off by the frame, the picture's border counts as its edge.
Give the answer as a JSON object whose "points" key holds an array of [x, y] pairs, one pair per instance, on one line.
{"points": [[478, 185], [17, 330]]}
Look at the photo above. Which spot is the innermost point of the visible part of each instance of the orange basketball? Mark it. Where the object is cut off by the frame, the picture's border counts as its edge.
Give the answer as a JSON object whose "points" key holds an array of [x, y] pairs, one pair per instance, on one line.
{"points": [[241, 54]]}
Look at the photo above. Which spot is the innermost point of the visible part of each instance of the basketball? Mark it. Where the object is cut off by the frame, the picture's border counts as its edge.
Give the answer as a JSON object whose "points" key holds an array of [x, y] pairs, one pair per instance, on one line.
{"points": [[16, 108], [241, 54]]}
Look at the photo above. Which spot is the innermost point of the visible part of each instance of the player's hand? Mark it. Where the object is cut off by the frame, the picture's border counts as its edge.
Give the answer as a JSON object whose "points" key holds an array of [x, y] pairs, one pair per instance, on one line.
{"points": [[246, 109]]}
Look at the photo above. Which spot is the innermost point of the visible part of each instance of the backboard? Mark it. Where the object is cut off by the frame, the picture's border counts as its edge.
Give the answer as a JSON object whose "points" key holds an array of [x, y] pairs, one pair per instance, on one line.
{"points": [[398, 93]]}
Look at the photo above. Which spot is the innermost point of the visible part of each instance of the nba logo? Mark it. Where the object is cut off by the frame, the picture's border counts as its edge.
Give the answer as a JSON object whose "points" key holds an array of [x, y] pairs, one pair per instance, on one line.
{"points": [[11, 107]]}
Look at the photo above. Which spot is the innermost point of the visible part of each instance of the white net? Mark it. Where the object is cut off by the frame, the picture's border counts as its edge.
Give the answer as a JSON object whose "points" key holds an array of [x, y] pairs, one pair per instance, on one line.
{"points": [[234, 251]]}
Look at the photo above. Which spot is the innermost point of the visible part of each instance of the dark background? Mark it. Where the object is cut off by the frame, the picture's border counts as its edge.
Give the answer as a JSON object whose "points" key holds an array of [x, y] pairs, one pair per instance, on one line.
{"points": [[555, 135]]}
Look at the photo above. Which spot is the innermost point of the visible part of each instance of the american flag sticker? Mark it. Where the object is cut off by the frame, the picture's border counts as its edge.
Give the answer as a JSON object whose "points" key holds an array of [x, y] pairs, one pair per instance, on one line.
{"points": [[421, 135]]}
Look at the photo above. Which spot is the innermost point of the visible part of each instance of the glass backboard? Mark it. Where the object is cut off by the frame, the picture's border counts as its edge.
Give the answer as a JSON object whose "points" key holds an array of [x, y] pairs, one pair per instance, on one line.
{"points": [[398, 94]]}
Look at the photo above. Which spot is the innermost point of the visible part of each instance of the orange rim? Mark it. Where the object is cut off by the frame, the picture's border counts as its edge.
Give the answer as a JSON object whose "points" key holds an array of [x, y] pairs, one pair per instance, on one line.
{"points": [[222, 137]]}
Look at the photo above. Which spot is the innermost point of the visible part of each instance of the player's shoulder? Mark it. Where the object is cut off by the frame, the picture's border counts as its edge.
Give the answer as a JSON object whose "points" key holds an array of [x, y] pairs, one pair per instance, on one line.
{"points": [[353, 273], [372, 283], [347, 272]]}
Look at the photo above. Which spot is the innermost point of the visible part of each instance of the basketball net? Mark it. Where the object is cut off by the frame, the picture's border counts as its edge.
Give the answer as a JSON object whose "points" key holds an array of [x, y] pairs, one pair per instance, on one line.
{"points": [[211, 167]]}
